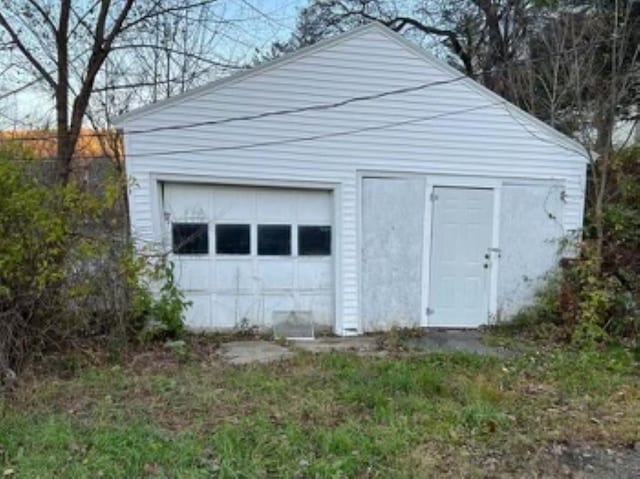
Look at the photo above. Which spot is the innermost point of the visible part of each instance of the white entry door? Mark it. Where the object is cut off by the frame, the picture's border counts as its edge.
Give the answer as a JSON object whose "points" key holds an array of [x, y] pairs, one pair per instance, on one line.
{"points": [[459, 279]]}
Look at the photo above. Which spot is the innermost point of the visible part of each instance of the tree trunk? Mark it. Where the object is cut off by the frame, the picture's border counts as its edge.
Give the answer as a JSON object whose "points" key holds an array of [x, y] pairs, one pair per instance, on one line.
{"points": [[600, 179], [64, 147]]}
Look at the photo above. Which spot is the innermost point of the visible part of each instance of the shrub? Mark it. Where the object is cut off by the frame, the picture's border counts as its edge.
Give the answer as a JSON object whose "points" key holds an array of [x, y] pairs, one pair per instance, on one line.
{"points": [[65, 274], [577, 304], [161, 308], [596, 298], [605, 308], [607, 285], [543, 319], [37, 228]]}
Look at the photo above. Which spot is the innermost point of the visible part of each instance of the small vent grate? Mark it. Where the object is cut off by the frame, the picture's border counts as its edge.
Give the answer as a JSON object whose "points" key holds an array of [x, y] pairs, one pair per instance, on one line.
{"points": [[293, 324]]}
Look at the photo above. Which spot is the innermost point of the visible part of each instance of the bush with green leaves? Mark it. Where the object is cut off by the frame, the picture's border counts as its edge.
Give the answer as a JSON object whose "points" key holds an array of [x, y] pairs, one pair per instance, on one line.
{"points": [[65, 273], [159, 302], [595, 298], [543, 318], [607, 286]]}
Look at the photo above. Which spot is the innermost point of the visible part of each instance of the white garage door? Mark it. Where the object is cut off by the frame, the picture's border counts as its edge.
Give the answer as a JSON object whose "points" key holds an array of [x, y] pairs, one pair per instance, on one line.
{"points": [[244, 253]]}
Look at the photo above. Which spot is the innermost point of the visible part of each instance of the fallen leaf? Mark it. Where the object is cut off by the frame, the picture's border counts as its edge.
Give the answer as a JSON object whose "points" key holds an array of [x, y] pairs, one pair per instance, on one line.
{"points": [[150, 469]]}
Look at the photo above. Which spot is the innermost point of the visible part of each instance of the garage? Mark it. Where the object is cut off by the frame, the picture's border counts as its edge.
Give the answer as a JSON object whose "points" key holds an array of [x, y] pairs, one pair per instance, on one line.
{"points": [[358, 184], [248, 256]]}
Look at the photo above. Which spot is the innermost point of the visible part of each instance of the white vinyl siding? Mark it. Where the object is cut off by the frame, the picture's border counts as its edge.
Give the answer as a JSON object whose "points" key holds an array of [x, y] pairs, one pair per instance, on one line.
{"points": [[439, 136]]}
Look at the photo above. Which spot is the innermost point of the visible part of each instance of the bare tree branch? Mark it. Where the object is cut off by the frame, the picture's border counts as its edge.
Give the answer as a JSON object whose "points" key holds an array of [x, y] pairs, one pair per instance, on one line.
{"points": [[399, 23], [26, 52], [152, 12], [45, 16], [186, 54]]}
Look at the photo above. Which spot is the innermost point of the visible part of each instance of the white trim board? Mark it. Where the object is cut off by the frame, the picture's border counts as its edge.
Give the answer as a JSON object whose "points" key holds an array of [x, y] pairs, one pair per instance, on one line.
{"points": [[242, 181]]}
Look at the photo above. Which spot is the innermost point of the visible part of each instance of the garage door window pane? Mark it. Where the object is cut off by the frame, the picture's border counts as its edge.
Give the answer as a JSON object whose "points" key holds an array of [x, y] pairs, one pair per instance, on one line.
{"points": [[314, 240], [233, 239], [190, 238], [274, 240]]}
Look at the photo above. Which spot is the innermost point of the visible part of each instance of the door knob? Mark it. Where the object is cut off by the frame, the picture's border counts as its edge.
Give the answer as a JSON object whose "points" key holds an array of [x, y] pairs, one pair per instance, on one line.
{"points": [[486, 256], [486, 266]]}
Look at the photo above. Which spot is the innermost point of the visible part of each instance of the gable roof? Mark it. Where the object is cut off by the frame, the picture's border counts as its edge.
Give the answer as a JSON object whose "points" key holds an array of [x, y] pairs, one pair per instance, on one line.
{"points": [[516, 112]]}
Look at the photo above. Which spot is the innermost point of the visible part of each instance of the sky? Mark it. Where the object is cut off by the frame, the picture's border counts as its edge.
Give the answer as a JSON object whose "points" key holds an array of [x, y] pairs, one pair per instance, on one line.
{"points": [[254, 25]]}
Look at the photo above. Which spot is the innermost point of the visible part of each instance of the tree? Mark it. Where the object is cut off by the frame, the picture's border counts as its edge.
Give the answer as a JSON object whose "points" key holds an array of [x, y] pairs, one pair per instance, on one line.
{"points": [[481, 37], [67, 44], [582, 75]]}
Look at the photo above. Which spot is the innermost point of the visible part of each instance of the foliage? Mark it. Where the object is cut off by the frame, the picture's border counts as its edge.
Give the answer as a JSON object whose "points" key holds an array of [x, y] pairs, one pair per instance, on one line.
{"points": [[608, 282], [596, 297], [162, 309], [542, 320], [325, 415], [37, 237], [65, 272]]}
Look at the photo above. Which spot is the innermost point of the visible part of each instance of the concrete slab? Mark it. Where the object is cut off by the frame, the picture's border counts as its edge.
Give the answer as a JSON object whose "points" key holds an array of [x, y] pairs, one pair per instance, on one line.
{"points": [[247, 352], [358, 344]]}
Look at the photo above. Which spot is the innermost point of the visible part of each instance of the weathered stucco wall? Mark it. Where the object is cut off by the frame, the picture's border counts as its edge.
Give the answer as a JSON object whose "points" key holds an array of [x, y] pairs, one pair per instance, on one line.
{"points": [[392, 239], [531, 233]]}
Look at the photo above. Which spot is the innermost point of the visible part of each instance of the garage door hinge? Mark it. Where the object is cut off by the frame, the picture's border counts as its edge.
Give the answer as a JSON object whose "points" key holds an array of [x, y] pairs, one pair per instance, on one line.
{"points": [[430, 311], [433, 197]]}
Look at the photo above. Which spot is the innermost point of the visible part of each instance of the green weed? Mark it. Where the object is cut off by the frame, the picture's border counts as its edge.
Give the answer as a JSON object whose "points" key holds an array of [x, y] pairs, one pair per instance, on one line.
{"points": [[331, 415]]}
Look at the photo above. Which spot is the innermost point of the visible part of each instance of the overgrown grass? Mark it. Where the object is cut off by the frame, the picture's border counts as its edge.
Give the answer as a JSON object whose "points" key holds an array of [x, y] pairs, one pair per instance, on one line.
{"points": [[332, 415]]}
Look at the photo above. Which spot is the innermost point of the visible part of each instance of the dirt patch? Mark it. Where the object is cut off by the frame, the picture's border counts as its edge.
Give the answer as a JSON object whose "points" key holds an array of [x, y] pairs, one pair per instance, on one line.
{"points": [[528, 461], [597, 462], [160, 359], [248, 352]]}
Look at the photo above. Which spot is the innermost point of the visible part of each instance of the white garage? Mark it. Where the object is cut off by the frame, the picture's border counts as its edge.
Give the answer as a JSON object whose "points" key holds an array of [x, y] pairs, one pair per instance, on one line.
{"points": [[359, 183], [245, 254]]}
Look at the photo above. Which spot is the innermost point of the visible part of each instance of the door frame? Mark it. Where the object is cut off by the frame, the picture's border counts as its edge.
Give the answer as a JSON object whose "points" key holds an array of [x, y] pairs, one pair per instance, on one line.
{"points": [[461, 182]]}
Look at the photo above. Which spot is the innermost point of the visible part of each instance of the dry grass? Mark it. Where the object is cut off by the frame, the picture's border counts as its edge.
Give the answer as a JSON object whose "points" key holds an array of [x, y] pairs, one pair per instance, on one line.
{"points": [[335, 415]]}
